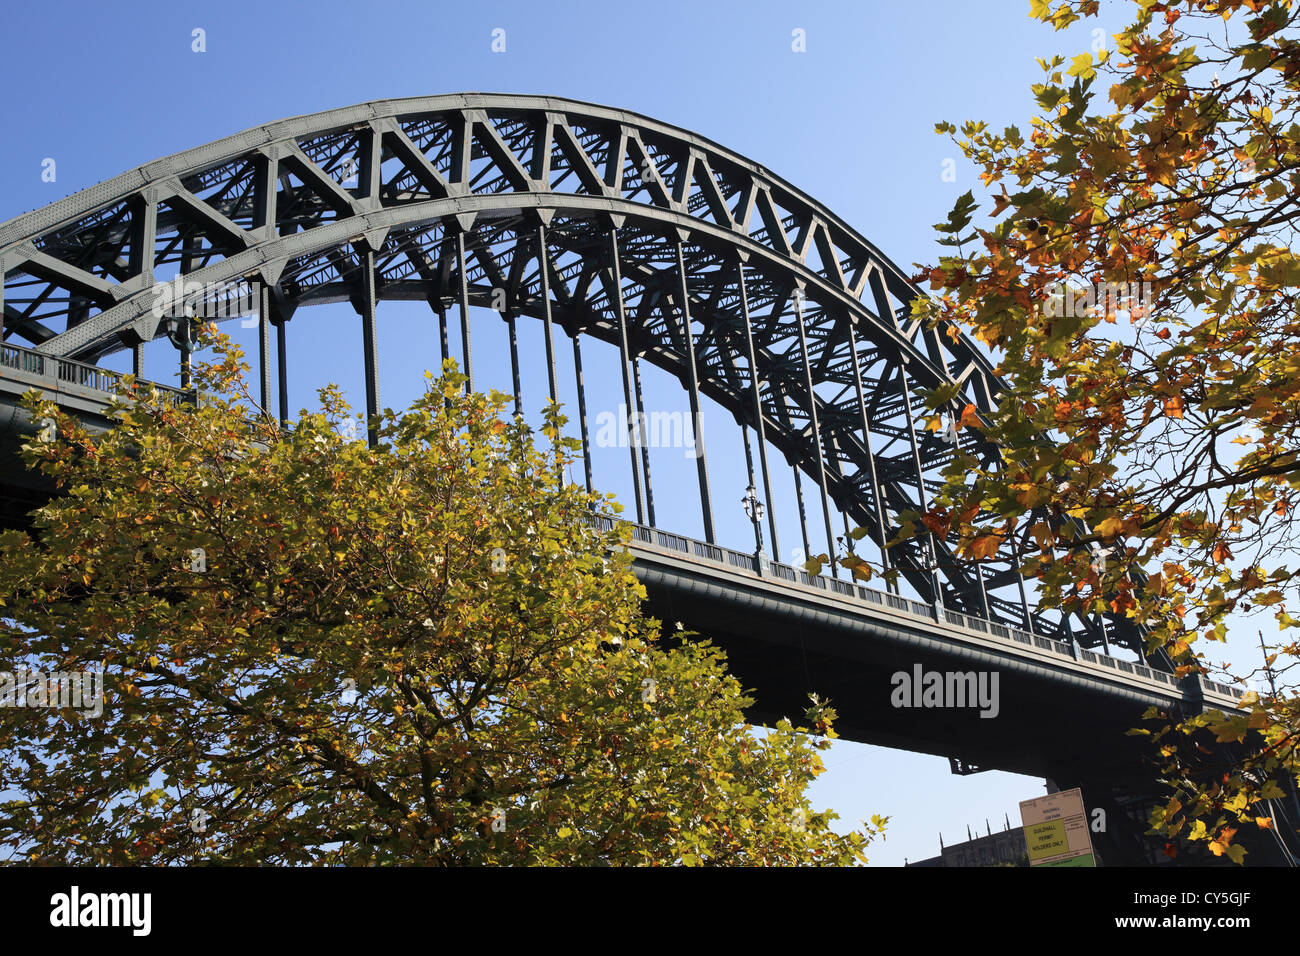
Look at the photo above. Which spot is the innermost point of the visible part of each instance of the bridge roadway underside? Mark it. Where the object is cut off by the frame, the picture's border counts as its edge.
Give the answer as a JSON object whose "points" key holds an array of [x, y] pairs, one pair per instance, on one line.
{"points": [[1054, 719], [22, 489]]}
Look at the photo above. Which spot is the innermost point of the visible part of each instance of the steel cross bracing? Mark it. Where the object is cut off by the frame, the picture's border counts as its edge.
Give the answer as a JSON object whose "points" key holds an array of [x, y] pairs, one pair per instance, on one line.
{"points": [[696, 256]]}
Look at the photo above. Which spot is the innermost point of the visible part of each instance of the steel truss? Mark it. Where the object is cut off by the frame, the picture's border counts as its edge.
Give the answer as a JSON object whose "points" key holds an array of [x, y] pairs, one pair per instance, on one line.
{"points": [[603, 222]]}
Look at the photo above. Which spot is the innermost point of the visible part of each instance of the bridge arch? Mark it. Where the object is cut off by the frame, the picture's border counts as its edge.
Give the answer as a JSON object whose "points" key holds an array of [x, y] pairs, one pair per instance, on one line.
{"points": [[603, 222]]}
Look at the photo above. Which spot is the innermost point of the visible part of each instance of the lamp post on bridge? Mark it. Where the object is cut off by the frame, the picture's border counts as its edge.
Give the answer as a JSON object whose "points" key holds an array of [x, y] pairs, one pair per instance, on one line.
{"points": [[180, 332], [755, 512], [930, 564], [1098, 567]]}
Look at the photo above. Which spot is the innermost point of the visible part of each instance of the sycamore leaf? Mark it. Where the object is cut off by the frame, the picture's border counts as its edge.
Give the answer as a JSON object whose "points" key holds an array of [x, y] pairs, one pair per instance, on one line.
{"points": [[1110, 527], [986, 546], [1081, 66]]}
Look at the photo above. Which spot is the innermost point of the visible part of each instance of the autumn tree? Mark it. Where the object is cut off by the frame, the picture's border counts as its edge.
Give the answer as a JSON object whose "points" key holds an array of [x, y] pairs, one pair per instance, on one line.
{"points": [[1136, 280], [429, 652]]}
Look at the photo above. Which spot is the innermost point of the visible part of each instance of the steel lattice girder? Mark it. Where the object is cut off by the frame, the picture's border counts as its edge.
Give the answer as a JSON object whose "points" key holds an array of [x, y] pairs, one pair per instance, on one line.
{"points": [[299, 203]]}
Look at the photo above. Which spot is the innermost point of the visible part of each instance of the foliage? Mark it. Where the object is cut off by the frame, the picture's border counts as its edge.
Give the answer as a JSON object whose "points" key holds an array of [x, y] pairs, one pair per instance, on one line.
{"points": [[1163, 417], [426, 652]]}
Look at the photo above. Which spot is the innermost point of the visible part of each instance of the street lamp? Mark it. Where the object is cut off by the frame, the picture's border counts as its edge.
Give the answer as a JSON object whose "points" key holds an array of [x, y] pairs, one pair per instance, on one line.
{"points": [[930, 564], [754, 509], [180, 332], [1098, 567]]}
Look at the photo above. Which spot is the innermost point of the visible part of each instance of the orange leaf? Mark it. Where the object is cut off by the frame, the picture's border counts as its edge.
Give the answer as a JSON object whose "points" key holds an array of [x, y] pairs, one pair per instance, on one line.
{"points": [[936, 522], [985, 546], [1174, 407]]}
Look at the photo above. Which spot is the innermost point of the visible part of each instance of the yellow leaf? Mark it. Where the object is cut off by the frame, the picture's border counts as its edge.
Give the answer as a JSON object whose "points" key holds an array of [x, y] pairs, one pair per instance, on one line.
{"points": [[1110, 527], [1081, 66]]}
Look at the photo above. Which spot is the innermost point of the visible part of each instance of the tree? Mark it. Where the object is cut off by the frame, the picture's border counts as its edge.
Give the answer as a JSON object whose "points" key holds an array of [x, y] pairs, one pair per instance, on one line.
{"points": [[427, 652], [1137, 280]]}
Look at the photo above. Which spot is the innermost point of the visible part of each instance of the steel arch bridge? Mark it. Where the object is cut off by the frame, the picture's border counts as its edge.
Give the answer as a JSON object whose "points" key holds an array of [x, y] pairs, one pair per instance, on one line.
{"points": [[604, 222]]}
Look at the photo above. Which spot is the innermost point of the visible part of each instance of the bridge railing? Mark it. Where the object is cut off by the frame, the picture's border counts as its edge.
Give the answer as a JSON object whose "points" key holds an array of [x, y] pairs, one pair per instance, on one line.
{"points": [[22, 360], [746, 561], [29, 362]]}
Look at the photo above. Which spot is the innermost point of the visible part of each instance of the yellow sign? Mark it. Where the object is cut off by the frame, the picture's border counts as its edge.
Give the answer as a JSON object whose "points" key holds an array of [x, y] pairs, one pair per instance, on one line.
{"points": [[1046, 839], [1056, 830]]}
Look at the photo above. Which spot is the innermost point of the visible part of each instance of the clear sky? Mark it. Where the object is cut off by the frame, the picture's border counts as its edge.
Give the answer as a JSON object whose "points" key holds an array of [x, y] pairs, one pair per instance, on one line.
{"points": [[104, 87]]}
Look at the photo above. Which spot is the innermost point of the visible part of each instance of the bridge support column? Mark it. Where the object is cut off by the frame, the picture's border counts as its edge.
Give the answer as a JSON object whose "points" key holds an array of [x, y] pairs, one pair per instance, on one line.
{"points": [[464, 312], [803, 514], [877, 499], [645, 445], [281, 367], [756, 403], [444, 349], [137, 358], [264, 349], [370, 344], [920, 479], [697, 423], [633, 423], [514, 366], [1024, 601], [185, 349], [582, 413], [749, 473], [984, 594], [816, 428], [185, 328], [544, 268]]}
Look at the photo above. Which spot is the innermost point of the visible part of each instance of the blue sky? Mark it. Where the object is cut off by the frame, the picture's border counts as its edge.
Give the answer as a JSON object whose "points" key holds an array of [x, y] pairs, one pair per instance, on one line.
{"points": [[101, 88]]}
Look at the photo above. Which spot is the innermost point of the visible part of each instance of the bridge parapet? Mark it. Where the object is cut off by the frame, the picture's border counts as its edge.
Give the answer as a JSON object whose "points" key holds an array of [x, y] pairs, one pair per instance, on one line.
{"points": [[79, 385]]}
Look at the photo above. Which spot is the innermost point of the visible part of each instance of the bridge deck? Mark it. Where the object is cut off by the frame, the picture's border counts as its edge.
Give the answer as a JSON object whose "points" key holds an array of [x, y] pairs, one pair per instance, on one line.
{"points": [[655, 546]]}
